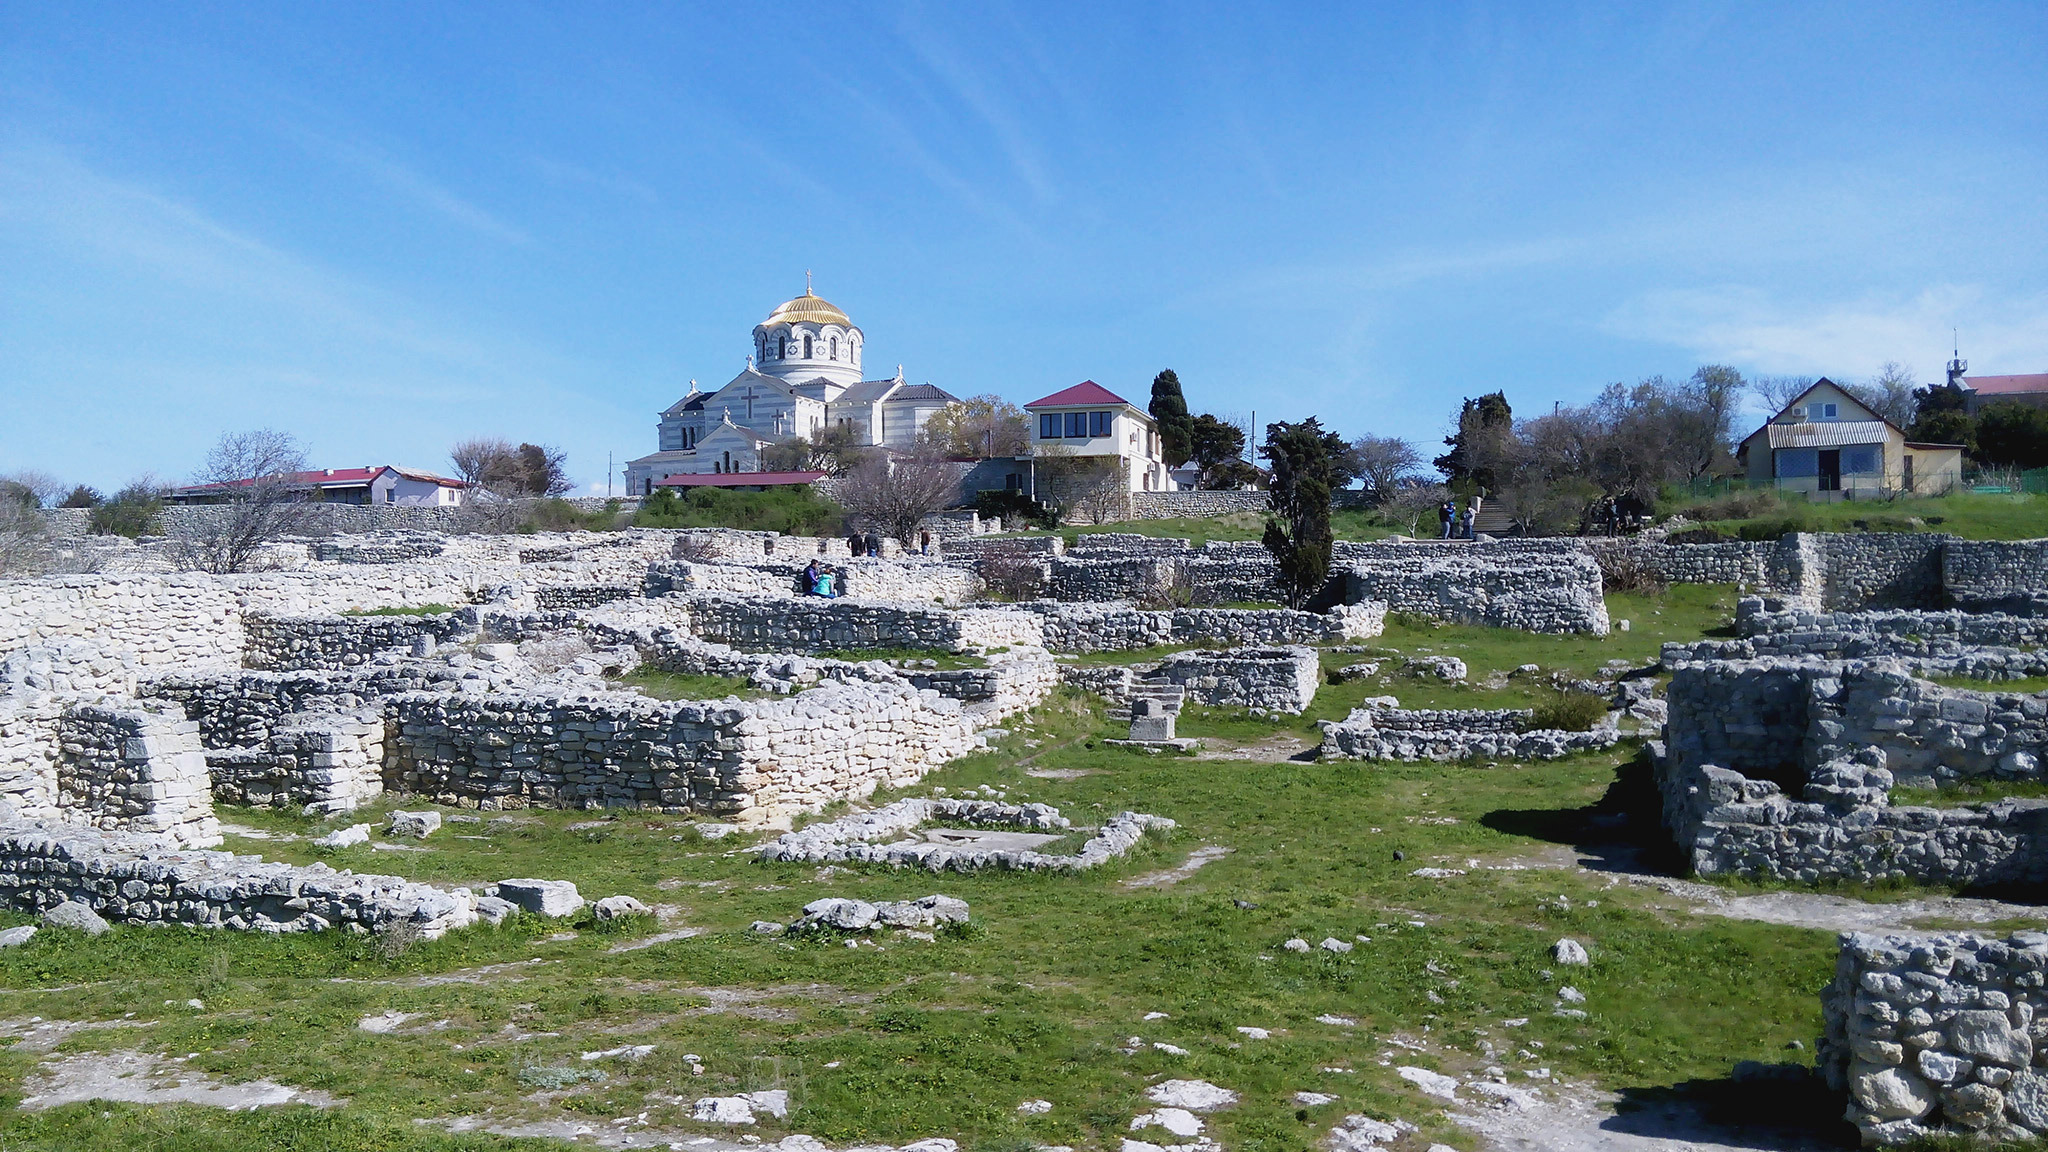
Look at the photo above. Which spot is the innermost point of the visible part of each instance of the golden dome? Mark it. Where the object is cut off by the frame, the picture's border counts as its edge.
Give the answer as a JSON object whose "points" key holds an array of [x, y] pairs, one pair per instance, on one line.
{"points": [[807, 308]]}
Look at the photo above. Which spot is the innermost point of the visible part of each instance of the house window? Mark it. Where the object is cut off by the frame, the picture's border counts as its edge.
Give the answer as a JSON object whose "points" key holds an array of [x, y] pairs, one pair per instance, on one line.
{"points": [[1821, 411], [1860, 460], [1098, 423], [1048, 425], [1077, 425]]}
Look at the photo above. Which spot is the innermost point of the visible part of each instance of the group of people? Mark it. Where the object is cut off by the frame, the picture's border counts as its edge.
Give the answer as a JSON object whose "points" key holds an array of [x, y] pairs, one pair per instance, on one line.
{"points": [[1457, 525], [822, 580]]}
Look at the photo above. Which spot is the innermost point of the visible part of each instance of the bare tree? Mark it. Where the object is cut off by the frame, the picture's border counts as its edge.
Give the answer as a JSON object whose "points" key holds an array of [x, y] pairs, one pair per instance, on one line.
{"points": [[896, 496], [1889, 393], [1383, 462], [39, 489], [1409, 507], [24, 538], [254, 482], [979, 427], [1105, 495], [1778, 391], [476, 458], [494, 466]]}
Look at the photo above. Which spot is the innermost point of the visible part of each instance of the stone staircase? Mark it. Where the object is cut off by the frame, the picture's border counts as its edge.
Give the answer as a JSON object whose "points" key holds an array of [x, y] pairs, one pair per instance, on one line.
{"points": [[1169, 697]]}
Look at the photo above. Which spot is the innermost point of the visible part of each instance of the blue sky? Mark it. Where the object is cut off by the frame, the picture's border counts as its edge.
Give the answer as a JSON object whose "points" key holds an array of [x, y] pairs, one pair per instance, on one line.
{"points": [[386, 227]]}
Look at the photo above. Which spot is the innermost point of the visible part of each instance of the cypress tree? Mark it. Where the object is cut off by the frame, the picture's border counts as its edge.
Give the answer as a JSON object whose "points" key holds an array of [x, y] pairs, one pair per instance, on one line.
{"points": [[1170, 411], [1298, 533]]}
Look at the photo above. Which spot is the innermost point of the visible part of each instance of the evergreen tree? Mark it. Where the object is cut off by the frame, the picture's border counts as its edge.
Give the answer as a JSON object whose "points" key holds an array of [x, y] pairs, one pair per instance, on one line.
{"points": [[1482, 452], [1170, 411], [1941, 415], [1298, 530], [2012, 435]]}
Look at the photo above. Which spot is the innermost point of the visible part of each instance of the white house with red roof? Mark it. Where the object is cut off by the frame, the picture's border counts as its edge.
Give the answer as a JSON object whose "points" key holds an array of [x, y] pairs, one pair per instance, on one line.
{"points": [[370, 484], [1089, 420]]}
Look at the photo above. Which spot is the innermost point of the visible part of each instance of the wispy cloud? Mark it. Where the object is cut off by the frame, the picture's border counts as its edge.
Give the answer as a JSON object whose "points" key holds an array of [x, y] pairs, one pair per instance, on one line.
{"points": [[1754, 329], [175, 326], [381, 168]]}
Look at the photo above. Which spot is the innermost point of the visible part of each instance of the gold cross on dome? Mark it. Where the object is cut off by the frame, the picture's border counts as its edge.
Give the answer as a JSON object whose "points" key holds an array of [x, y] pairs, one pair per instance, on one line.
{"points": [[807, 281]]}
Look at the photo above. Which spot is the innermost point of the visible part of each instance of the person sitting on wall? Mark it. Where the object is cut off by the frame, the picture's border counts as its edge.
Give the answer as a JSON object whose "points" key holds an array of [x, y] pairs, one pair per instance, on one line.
{"points": [[822, 585], [807, 584]]}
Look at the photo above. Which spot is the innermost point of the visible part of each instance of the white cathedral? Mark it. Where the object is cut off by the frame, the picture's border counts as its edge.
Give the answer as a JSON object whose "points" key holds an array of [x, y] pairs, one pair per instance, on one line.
{"points": [[803, 377]]}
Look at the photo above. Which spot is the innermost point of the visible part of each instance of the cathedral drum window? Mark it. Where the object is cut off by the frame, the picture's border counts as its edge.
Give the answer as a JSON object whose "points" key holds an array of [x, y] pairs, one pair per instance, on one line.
{"points": [[807, 347]]}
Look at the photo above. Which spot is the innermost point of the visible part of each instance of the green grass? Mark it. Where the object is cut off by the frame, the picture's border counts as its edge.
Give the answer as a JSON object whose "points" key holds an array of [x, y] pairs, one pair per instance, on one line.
{"points": [[910, 1039], [946, 1037], [2024, 687], [1683, 611], [1967, 514], [1345, 524], [1970, 792], [939, 656], [421, 610], [684, 686]]}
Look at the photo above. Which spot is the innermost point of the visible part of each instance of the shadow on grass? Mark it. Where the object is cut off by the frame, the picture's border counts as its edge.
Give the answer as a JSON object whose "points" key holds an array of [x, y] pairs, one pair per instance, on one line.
{"points": [[1623, 831], [1780, 1107]]}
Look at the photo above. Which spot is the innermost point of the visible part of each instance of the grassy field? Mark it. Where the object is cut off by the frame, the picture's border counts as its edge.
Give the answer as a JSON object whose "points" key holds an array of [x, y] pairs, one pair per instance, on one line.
{"points": [[1969, 515], [898, 1039]]}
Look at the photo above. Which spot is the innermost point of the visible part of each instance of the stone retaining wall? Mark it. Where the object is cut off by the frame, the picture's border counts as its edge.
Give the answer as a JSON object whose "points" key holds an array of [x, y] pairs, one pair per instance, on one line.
{"points": [[810, 624], [1121, 627], [1939, 1033], [326, 762], [1744, 739], [135, 769], [307, 643], [135, 880], [1452, 734], [753, 761], [1282, 679], [1995, 575], [866, 579], [1549, 590], [1197, 503]]}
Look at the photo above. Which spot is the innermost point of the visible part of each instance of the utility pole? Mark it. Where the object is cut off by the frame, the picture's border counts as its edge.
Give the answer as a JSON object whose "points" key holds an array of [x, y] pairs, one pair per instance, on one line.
{"points": [[607, 475]]}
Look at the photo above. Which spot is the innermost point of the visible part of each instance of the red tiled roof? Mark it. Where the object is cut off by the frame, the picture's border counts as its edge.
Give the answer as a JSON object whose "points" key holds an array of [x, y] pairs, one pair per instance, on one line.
{"points": [[737, 479], [338, 478], [1086, 392], [2007, 385]]}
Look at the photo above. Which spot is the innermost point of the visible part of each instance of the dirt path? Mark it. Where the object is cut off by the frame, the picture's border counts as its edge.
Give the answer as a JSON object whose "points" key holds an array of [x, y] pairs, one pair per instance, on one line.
{"points": [[1180, 872], [1579, 1120]]}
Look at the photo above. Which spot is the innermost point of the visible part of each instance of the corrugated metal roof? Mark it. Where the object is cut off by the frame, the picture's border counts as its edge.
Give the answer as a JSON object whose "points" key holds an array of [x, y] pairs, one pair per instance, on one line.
{"points": [[1829, 433]]}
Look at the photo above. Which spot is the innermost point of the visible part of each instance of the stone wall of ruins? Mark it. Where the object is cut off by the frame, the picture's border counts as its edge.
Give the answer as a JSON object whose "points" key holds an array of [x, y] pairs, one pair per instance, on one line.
{"points": [[1934, 1033]]}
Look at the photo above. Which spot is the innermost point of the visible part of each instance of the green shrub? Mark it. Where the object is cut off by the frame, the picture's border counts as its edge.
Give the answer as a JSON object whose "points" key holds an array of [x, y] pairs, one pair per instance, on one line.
{"points": [[1567, 712], [555, 514], [132, 512], [794, 510]]}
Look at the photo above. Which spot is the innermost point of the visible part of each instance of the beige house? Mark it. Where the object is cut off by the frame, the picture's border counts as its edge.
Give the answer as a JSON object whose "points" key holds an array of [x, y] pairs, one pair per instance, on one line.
{"points": [[1827, 445]]}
